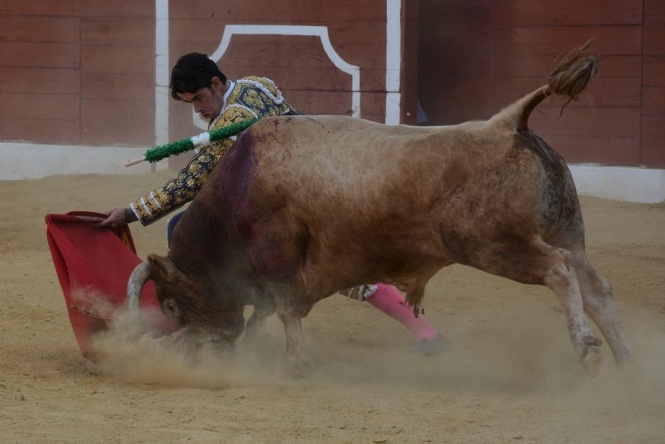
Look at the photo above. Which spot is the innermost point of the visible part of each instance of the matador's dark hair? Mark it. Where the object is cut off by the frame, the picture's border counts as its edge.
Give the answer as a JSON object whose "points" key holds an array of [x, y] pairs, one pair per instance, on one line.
{"points": [[192, 72]]}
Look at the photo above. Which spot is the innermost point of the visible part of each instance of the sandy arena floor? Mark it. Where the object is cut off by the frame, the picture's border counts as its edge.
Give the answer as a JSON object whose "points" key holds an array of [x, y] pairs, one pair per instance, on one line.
{"points": [[507, 375]]}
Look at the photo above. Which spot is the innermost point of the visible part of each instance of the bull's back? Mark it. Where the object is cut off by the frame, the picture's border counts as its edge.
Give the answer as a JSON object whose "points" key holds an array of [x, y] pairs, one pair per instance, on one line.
{"points": [[324, 163], [344, 187], [332, 156], [329, 162]]}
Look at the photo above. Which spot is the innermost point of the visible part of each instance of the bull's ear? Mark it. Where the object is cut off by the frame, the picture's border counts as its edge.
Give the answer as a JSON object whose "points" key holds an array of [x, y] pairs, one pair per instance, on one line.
{"points": [[163, 267]]}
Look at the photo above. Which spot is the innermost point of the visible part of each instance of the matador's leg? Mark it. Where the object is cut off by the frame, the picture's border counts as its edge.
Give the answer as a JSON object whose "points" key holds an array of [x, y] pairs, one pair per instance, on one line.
{"points": [[388, 300]]}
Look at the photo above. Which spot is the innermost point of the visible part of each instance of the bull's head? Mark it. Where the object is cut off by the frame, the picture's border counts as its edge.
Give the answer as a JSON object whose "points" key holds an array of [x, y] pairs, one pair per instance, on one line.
{"points": [[189, 302]]}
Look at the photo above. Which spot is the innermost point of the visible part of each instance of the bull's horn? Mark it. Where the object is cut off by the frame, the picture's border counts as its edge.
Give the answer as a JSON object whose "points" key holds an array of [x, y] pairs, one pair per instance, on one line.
{"points": [[137, 280]]}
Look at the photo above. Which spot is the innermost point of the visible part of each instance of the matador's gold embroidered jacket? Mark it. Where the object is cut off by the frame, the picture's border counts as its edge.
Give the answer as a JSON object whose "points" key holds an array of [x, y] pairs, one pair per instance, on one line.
{"points": [[247, 98]]}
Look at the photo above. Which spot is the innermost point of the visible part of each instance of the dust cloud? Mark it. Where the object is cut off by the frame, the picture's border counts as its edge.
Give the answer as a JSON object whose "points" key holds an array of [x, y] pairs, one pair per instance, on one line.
{"points": [[528, 356], [144, 352]]}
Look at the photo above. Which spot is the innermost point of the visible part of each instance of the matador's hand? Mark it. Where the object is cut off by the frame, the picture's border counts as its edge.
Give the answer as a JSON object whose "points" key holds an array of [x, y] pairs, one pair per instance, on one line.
{"points": [[117, 217]]}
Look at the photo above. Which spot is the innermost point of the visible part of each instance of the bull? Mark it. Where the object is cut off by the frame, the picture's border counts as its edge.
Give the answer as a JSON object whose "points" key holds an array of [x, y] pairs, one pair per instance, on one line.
{"points": [[304, 206]]}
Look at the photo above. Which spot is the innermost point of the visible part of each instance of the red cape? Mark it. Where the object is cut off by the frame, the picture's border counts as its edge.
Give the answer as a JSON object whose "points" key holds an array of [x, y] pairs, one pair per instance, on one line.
{"points": [[93, 266]]}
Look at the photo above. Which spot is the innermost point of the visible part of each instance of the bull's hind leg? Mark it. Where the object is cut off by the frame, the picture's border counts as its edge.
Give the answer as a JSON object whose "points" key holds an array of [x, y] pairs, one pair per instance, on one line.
{"points": [[600, 306], [561, 278], [540, 263]]}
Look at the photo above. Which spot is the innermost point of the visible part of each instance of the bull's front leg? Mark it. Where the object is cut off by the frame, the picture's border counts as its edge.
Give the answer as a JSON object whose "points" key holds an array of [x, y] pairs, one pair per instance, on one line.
{"points": [[264, 306], [295, 357]]}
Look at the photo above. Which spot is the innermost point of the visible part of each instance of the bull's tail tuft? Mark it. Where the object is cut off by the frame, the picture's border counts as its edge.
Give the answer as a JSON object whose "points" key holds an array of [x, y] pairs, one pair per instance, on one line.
{"points": [[574, 73], [569, 78]]}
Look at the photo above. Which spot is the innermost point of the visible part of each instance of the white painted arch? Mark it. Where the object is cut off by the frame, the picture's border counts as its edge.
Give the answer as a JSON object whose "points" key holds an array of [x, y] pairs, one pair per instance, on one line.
{"points": [[294, 30]]}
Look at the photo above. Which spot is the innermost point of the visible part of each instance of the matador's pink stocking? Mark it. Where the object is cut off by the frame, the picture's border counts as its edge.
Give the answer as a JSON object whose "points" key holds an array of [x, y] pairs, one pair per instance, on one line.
{"points": [[388, 300]]}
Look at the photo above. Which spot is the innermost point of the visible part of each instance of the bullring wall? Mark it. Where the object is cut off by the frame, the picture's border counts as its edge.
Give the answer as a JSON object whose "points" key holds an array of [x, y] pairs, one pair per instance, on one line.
{"points": [[478, 56], [84, 73]]}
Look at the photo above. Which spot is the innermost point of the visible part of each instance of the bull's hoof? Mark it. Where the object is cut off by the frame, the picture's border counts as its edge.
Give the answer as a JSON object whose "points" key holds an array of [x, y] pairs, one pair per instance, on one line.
{"points": [[592, 340], [296, 368], [591, 357]]}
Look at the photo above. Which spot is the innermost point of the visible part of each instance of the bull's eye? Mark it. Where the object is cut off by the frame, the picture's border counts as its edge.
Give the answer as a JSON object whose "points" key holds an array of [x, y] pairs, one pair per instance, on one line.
{"points": [[170, 305]]}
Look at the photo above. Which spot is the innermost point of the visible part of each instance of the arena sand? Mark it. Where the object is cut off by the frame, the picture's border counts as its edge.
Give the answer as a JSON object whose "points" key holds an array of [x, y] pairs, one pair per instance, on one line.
{"points": [[507, 373]]}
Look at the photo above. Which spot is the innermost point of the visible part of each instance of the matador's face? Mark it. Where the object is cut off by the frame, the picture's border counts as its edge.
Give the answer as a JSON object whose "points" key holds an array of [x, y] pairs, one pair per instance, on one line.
{"points": [[207, 101]]}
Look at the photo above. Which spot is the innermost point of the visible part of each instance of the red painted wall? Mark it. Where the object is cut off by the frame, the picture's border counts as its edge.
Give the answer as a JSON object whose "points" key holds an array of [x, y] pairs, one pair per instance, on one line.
{"points": [[476, 57], [77, 72], [82, 72]]}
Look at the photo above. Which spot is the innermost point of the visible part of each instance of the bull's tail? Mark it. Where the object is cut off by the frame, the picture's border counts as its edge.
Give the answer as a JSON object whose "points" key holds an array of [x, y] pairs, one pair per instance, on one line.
{"points": [[570, 78]]}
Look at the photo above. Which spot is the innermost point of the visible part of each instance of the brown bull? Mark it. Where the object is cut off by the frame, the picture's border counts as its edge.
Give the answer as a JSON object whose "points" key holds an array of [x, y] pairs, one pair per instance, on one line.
{"points": [[302, 207]]}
